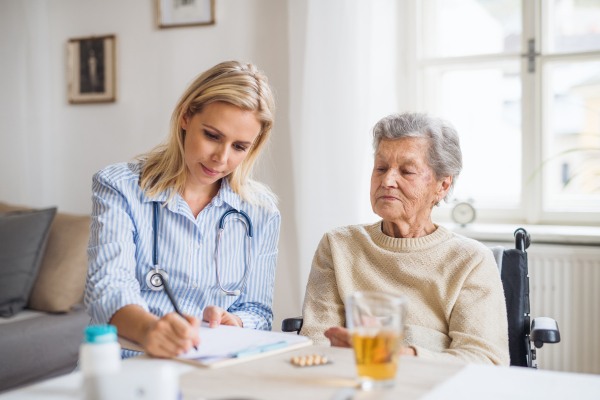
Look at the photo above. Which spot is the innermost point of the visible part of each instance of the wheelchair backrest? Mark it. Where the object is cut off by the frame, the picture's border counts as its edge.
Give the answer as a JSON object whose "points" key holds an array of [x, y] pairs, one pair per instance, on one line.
{"points": [[515, 281]]}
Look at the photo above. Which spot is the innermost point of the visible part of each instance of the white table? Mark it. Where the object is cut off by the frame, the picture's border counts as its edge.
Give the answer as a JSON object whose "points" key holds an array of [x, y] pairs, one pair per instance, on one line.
{"points": [[275, 378]]}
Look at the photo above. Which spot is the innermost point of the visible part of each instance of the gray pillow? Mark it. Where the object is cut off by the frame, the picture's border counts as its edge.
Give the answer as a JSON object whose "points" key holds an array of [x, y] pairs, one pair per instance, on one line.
{"points": [[23, 237]]}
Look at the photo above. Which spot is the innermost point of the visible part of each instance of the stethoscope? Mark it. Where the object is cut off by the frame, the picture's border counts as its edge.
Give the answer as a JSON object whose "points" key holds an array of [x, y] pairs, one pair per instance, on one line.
{"points": [[154, 278]]}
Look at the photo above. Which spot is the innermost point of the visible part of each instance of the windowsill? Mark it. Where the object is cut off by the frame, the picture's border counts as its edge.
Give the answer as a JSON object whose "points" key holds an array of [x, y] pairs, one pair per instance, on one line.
{"points": [[550, 234]]}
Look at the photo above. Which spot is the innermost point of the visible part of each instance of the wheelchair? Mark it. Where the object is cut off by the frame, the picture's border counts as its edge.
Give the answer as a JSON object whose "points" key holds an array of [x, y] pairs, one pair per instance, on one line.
{"points": [[522, 332]]}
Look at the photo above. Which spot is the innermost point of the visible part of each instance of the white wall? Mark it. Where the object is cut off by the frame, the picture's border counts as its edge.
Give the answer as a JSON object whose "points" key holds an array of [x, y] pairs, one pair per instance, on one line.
{"points": [[49, 149]]}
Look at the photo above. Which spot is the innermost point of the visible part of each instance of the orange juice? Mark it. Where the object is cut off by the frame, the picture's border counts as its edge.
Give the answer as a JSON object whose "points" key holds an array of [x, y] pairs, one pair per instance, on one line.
{"points": [[377, 354]]}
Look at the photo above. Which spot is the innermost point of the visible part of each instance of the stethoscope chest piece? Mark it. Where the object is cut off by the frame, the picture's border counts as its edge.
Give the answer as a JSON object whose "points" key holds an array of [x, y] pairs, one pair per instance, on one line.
{"points": [[154, 279]]}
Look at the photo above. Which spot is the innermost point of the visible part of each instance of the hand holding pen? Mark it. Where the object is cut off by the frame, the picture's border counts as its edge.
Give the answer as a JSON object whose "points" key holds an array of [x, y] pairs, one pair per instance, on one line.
{"points": [[170, 335], [174, 302]]}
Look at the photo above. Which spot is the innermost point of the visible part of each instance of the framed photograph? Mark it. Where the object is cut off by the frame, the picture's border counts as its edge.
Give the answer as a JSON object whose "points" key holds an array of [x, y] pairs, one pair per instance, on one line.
{"points": [[178, 13], [92, 74]]}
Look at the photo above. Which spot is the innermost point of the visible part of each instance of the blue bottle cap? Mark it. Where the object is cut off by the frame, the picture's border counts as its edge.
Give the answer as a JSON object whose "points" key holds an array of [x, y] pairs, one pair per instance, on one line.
{"points": [[100, 334]]}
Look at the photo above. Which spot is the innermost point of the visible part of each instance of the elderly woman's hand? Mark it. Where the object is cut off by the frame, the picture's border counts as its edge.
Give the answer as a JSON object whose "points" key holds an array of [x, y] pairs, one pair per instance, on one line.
{"points": [[340, 337]]}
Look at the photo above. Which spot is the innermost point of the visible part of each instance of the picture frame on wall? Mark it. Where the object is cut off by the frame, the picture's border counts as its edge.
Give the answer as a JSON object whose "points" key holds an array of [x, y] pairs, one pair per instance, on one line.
{"points": [[181, 13], [92, 72]]}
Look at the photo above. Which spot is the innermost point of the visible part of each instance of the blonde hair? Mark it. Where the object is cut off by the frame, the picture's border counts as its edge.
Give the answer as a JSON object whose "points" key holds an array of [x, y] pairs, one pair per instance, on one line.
{"points": [[232, 82]]}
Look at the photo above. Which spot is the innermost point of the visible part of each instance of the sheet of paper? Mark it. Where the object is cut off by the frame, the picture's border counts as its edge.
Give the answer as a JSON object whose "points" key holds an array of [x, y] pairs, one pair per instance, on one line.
{"points": [[219, 343], [491, 383]]}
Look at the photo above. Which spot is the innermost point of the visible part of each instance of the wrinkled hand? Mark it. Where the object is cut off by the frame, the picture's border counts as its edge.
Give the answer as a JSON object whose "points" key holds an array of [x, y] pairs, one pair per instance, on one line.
{"points": [[216, 316], [340, 337], [171, 336]]}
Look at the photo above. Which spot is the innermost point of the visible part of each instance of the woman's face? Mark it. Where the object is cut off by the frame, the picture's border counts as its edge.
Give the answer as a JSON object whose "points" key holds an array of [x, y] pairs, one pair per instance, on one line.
{"points": [[217, 140], [403, 186]]}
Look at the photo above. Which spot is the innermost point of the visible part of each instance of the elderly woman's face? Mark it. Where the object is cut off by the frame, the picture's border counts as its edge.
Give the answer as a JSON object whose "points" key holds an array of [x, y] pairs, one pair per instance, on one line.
{"points": [[403, 186]]}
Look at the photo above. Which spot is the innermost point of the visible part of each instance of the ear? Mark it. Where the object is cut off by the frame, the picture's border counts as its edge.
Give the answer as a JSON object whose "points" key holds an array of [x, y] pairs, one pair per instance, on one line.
{"points": [[184, 121], [444, 186]]}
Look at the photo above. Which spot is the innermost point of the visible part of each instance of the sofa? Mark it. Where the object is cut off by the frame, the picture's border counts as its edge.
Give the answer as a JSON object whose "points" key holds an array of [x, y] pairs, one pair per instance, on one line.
{"points": [[43, 262]]}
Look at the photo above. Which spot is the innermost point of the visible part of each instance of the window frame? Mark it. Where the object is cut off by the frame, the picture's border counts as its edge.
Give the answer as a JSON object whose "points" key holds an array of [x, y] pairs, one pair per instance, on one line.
{"points": [[535, 14]]}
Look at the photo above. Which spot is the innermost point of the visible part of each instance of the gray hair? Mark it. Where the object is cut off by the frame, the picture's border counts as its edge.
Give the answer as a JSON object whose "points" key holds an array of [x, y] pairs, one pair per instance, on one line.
{"points": [[443, 156]]}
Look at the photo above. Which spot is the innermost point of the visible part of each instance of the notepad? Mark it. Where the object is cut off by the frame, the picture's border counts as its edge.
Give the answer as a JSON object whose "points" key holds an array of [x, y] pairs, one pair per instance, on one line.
{"points": [[228, 345]]}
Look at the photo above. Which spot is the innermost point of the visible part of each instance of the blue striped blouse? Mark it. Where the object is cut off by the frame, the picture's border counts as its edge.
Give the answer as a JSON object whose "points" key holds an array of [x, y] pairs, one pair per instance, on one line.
{"points": [[120, 251]]}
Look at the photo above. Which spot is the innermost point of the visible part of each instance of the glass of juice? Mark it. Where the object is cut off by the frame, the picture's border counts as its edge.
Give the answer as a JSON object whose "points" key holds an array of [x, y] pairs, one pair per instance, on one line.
{"points": [[375, 322]]}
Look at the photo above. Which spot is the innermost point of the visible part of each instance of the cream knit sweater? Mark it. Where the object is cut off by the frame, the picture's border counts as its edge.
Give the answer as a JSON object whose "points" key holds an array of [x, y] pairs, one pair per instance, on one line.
{"points": [[456, 307]]}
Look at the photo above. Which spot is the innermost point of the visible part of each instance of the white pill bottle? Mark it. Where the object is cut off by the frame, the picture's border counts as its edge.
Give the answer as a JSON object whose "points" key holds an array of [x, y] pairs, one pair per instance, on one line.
{"points": [[100, 358]]}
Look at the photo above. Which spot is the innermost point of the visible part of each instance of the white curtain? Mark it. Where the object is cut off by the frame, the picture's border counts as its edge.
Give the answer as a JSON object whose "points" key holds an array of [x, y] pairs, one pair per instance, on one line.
{"points": [[344, 59], [26, 139]]}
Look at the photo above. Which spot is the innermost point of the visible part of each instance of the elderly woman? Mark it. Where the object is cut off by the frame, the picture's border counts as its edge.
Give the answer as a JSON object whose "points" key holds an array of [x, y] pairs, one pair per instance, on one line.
{"points": [[456, 305]]}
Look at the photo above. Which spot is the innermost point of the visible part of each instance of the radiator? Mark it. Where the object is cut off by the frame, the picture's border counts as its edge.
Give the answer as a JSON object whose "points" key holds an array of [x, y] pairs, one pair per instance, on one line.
{"points": [[565, 285]]}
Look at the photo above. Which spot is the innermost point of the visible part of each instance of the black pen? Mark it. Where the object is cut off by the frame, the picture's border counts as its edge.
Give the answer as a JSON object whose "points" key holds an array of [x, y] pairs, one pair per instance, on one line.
{"points": [[172, 298]]}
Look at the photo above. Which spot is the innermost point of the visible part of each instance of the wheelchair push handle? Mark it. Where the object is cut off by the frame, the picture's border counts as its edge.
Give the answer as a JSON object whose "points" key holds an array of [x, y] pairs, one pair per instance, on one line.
{"points": [[522, 239], [292, 324]]}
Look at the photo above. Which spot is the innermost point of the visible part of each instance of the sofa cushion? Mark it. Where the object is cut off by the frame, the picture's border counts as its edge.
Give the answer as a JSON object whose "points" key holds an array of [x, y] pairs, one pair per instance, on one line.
{"points": [[40, 347], [61, 279], [23, 236]]}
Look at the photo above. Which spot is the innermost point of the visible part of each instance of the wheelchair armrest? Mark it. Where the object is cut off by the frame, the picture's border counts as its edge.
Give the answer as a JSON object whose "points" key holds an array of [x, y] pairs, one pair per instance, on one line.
{"points": [[292, 324], [544, 330]]}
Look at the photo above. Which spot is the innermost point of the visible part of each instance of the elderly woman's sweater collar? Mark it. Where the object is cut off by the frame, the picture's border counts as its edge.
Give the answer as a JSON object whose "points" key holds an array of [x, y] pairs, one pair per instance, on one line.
{"points": [[386, 242]]}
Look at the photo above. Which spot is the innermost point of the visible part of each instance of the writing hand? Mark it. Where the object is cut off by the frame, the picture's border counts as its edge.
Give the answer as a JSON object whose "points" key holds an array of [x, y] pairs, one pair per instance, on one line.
{"points": [[171, 335]]}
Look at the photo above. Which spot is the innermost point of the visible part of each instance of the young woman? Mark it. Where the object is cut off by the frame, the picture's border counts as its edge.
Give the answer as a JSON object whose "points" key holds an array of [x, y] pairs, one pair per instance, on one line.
{"points": [[160, 218]]}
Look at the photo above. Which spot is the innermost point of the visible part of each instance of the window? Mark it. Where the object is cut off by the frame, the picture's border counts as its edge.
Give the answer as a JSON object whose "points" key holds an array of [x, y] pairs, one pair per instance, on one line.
{"points": [[520, 80]]}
